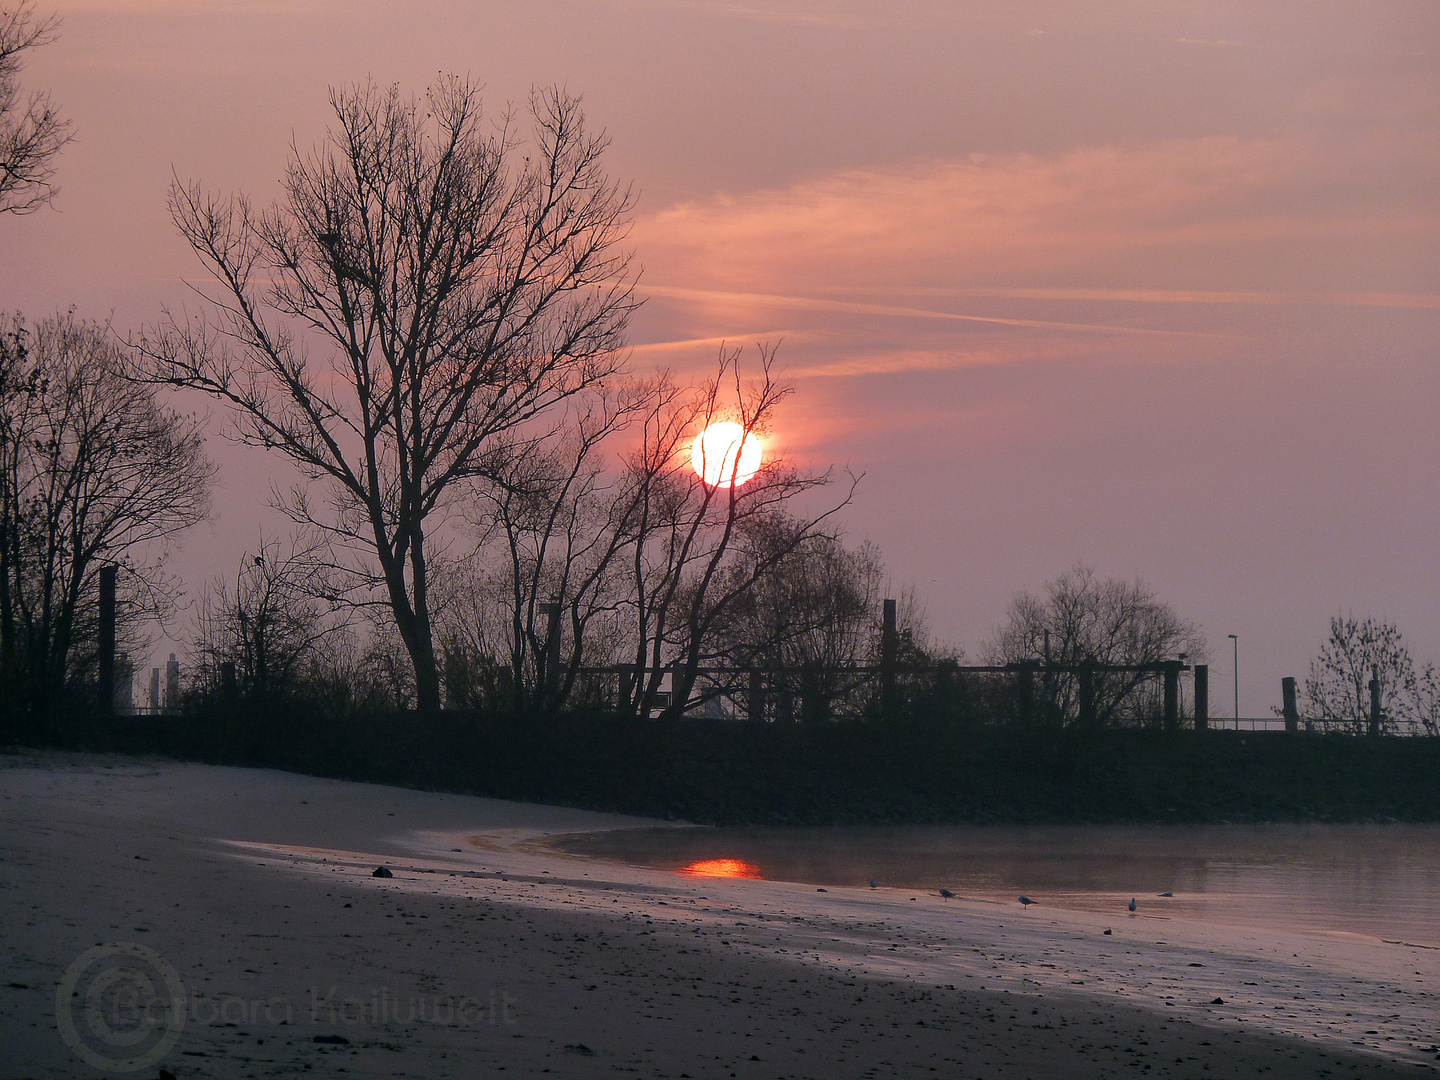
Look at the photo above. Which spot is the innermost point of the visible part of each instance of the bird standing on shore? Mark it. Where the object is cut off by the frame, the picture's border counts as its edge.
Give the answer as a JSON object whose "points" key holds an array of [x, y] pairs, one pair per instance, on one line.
{"points": [[1025, 901], [1132, 905], [946, 893]]}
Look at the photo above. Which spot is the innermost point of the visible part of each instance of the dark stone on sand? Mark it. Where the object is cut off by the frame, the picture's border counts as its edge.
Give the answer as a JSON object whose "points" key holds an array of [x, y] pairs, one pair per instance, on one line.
{"points": [[381, 871], [1218, 1001], [334, 1040], [579, 1048]]}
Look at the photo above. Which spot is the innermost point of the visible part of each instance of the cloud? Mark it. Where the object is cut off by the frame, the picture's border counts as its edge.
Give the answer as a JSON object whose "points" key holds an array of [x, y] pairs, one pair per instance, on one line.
{"points": [[887, 310], [1214, 215]]}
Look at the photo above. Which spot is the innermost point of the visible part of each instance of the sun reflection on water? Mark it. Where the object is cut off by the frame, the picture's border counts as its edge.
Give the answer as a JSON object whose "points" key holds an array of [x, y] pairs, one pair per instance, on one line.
{"points": [[731, 868]]}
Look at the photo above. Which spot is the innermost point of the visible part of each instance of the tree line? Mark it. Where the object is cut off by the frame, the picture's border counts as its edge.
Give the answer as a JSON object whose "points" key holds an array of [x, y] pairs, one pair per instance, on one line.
{"points": [[430, 326]]}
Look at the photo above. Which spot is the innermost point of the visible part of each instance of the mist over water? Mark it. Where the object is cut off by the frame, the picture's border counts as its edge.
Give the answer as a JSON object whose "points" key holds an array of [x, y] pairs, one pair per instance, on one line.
{"points": [[1374, 880]]}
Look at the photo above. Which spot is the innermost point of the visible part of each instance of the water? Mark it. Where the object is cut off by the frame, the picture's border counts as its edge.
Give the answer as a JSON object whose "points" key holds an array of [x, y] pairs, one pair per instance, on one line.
{"points": [[1380, 881]]}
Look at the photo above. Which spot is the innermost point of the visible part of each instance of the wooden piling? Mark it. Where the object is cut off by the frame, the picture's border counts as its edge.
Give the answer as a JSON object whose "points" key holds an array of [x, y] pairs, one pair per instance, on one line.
{"points": [[1172, 694], [550, 660], [1202, 696], [1375, 700], [889, 654], [107, 640], [1288, 708], [755, 702], [1087, 697]]}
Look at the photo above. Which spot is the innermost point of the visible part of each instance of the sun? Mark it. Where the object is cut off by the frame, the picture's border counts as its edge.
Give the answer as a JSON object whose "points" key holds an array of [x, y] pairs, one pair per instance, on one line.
{"points": [[714, 450]]}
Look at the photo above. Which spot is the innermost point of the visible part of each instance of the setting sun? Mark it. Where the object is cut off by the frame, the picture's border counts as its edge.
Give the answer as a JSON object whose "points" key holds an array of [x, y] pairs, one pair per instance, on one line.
{"points": [[714, 451]]}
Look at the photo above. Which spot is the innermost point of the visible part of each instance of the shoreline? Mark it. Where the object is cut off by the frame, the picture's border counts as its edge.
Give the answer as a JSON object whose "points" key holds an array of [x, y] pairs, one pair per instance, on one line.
{"points": [[255, 882]]}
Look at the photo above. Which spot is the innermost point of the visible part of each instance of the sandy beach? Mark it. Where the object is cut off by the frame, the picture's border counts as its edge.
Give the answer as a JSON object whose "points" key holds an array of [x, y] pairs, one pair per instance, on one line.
{"points": [[488, 950]]}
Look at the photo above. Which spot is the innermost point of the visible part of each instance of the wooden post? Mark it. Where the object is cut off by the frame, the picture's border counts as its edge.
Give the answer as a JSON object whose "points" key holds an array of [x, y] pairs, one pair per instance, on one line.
{"points": [[1024, 690], [756, 702], [107, 640], [1202, 696], [1087, 696], [626, 676], [889, 652], [785, 707], [1375, 700], [1172, 694], [227, 679], [550, 660], [1288, 708]]}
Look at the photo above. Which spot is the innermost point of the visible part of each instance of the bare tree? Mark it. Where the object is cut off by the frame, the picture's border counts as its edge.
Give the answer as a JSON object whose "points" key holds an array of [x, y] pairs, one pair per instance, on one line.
{"points": [[685, 576], [1091, 620], [811, 619], [92, 470], [423, 290], [1337, 690], [270, 623], [31, 130], [554, 521]]}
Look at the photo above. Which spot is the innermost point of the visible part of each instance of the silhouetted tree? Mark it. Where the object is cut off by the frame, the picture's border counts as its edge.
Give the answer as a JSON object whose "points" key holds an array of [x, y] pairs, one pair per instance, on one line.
{"points": [[686, 576], [810, 618], [92, 470], [1093, 620], [423, 290], [31, 130], [1337, 690], [271, 623]]}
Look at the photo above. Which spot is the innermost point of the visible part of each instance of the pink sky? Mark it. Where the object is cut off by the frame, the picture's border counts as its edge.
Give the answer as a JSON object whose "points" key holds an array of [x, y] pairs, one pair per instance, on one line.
{"points": [[1153, 285]]}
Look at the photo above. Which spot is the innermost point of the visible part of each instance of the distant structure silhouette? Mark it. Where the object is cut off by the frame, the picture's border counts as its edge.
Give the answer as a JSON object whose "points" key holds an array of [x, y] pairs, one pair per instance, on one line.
{"points": [[1132, 905]]}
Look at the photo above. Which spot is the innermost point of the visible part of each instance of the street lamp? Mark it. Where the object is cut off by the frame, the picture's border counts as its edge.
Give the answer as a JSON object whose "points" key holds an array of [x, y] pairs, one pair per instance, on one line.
{"points": [[1236, 642]]}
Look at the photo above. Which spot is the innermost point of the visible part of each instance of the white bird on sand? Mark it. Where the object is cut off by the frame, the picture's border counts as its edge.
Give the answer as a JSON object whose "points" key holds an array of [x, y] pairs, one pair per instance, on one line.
{"points": [[1132, 905]]}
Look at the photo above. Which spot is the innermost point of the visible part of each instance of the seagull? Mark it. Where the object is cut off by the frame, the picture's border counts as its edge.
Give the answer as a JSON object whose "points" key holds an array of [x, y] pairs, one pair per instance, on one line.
{"points": [[872, 884], [946, 893], [1132, 905], [1026, 901], [1167, 894]]}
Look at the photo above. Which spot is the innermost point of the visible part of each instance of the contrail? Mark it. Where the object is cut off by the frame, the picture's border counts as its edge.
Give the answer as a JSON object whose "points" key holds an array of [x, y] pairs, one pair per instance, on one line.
{"points": [[855, 308]]}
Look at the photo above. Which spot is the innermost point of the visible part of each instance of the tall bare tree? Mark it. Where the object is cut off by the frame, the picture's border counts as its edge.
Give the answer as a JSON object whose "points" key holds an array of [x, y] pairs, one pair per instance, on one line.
{"points": [[268, 622], [553, 523], [428, 285], [1337, 689], [32, 132], [1087, 619], [92, 470], [686, 575], [811, 619]]}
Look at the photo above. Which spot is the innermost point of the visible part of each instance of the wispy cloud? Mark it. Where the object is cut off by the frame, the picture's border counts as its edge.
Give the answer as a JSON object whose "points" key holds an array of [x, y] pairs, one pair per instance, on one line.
{"points": [[1174, 296], [889, 310], [1218, 216]]}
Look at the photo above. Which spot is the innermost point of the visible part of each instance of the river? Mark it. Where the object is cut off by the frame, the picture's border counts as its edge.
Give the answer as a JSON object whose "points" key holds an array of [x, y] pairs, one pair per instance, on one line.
{"points": [[1380, 880]]}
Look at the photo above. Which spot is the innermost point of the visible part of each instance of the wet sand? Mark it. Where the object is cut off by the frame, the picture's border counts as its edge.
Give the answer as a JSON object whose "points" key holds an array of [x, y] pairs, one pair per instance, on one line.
{"points": [[256, 889]]}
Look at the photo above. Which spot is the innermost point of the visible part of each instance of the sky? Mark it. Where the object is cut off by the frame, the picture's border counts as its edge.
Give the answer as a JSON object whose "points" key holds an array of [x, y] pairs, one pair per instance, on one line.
{"points": [[1151, 285]]}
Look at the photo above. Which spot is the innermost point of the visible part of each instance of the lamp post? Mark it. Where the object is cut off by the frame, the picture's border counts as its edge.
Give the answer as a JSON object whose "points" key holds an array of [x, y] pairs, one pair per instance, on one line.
{"points": [[1235, 641]]}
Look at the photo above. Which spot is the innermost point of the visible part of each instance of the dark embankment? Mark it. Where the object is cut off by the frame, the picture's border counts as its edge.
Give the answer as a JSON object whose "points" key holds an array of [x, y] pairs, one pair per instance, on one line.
{"points": [[729, 773]]}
